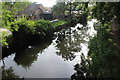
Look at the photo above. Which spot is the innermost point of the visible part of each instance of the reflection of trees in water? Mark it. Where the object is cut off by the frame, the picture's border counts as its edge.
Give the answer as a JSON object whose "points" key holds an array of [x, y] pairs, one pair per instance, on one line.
{"points": [[97, 68], [9, 74], [26, 57], [105, 59], [64, 52], [82, 69], [69, 41]]}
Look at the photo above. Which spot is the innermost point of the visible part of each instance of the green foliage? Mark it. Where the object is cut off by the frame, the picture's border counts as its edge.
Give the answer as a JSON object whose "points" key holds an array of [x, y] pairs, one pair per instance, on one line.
{"points": [[3, 36], [106, 11], [10, 11], [43, 27], [60, 22], [44, 24], [21, 28], [14, 26], [59, 8], [103, 55], [103, 52], [83, 6], [30, 26]]}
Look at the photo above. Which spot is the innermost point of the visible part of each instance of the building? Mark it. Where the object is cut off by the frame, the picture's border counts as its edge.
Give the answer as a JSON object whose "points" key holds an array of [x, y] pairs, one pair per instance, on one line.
{"points": [[36, 11]]}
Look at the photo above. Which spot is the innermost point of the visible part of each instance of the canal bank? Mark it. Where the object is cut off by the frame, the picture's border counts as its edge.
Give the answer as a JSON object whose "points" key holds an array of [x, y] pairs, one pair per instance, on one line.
{"points": [[27, 36], [53, 59]]}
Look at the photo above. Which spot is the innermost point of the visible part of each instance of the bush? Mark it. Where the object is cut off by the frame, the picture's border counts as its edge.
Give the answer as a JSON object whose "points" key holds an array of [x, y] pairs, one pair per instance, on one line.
{"points": [[3, 36], [26, 32], [104, 52]]}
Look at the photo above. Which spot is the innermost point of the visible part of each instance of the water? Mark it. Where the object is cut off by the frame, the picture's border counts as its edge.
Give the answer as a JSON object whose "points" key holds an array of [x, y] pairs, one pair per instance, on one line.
{"points": [[54, 59]]}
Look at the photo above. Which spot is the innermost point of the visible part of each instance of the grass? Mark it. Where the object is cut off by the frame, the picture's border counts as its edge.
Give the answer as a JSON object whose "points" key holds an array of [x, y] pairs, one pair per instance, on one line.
{"points": [[58, 23]]}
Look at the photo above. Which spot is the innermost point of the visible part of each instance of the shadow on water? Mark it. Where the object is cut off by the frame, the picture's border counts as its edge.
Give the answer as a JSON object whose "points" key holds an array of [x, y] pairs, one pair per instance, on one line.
{"points": [[26, 57]]}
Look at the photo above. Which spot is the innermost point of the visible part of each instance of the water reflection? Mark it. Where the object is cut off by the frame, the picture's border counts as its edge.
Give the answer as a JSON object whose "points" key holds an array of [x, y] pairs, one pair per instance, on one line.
{"points": [[74, 40], [81, 69], [9, 73], [26, 57], [103, 60], [53, 59]]}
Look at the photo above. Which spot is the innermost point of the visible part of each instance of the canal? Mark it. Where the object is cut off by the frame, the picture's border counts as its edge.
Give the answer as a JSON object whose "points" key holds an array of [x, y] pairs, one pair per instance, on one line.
{"points": [[55, 58]]}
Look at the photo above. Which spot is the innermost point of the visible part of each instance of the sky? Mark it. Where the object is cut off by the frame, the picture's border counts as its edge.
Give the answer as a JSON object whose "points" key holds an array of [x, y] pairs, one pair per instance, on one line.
{"points": [[45, 3]]}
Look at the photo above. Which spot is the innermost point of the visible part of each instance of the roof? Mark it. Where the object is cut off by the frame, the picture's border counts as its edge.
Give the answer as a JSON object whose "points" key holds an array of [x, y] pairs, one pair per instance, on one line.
{"points": [[34, 9]]}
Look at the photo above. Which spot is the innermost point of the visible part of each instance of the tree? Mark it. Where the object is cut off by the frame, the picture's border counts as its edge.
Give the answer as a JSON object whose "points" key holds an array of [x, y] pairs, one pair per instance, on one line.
{"points": [[10, 11], [105, 12], [59, 8]]}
